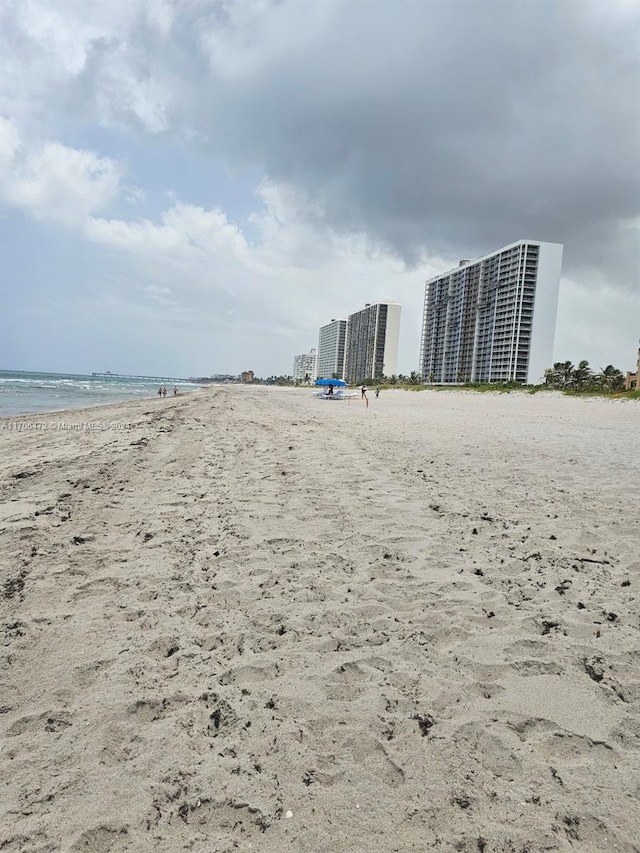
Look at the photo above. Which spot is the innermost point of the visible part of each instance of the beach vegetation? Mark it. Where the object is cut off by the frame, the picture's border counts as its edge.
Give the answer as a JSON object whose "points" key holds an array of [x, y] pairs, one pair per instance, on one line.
{"points": [[278, 380], [581, 379], [502, 387], [564, 376]]}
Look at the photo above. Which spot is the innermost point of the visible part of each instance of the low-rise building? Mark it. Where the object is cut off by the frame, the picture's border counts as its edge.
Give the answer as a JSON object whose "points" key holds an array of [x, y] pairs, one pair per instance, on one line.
{"points": [[304, 366], [632, 382]]}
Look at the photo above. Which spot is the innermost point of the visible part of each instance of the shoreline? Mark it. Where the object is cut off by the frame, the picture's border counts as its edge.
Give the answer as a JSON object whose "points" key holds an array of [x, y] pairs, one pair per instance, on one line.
{"points": [[59, 392], [113, 404], [254, 621], [552, 394]]}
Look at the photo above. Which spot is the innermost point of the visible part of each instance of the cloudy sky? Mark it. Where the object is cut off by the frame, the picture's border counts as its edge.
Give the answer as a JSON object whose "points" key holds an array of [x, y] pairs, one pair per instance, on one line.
{"points": [[195, 186]]}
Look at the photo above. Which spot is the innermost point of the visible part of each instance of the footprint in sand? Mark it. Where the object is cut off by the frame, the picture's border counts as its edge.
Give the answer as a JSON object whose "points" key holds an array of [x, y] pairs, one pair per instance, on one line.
{"points": [[150, 710], [249, 674], [348, 682], [566, 748], [372, 757], [184, 816], [119, 745], [49, 721], [102, 839], [98, 586], [85, 675], [163, 647]]}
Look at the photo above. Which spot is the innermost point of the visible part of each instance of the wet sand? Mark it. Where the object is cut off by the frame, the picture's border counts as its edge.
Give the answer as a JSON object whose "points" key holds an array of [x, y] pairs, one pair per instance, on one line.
{"points": [[258, 621]]}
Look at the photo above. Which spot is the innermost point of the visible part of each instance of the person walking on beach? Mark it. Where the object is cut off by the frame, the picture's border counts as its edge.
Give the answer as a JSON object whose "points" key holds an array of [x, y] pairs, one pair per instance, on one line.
{"points": [[175, 390], [377, 392], [363, 392]]}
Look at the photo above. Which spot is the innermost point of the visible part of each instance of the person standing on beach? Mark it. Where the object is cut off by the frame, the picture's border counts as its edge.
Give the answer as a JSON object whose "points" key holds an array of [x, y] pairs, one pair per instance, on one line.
{"points": [[175, 390], [377, 392], [363, 392], [164, 392], [160, 392]]}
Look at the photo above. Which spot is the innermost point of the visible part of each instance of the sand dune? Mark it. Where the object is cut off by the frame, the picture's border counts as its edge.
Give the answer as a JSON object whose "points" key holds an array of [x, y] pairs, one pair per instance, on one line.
{"points": [[258, 621]]}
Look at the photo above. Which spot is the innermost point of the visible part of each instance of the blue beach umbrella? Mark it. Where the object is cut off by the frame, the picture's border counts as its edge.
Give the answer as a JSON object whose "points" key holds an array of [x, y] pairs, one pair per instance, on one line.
{"points": [[337, 383]]}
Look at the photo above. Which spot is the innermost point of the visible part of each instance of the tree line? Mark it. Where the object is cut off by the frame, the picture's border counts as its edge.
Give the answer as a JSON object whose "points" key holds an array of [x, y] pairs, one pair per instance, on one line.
{"points": [[563, 376], [414, 378], [566, 376]]}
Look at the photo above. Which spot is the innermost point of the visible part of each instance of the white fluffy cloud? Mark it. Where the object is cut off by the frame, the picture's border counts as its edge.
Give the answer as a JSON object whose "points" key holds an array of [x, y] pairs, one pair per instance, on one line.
{"points": [[52, 181], [289, 273]]}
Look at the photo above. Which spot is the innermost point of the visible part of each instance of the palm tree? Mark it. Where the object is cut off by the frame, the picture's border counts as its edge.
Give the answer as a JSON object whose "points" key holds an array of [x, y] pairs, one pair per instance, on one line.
{"points": [[551, 375], [581, 378], [582, 374], [612, 378], [566, 373]]}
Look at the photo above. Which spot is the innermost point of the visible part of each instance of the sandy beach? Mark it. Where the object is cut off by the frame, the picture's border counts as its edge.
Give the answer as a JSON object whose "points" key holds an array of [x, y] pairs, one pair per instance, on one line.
{"points": [[256, 621]]}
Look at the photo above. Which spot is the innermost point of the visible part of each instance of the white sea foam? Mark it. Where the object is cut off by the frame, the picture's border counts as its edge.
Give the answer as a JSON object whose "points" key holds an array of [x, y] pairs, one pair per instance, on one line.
{"points": [[27, 393]]}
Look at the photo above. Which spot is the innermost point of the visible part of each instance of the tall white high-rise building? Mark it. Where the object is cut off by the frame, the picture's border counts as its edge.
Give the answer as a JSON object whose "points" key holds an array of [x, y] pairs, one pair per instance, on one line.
{"points": [[331, 340], [372, 342], [304, 365], [493, 319]]}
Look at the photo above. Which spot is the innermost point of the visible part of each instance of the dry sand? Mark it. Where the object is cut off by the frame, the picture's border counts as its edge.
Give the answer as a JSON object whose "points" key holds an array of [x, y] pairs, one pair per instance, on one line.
{"points": [[258, 621]]}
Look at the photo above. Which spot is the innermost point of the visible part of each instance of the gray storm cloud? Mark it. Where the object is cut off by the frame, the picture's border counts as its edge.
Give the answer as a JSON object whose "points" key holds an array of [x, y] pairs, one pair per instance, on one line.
{"points": [[433, 127]]}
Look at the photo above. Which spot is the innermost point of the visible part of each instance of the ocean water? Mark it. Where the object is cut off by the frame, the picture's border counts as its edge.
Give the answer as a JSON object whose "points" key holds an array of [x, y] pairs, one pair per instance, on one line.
{"points": [[24, 393]]}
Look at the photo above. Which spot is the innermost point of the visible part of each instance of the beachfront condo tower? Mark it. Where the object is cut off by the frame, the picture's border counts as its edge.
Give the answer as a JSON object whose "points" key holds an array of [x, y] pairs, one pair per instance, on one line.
{"points": [[304, 366], [330, 361], [371, 350], [493, 319]]}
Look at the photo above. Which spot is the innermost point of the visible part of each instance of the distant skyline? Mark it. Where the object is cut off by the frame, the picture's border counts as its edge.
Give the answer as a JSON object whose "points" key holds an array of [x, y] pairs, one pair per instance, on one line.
{"points": [[196, 186]]}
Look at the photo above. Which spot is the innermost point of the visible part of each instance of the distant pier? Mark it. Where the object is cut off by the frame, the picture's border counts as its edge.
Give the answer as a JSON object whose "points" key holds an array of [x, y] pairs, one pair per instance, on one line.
{"points": [[194, 380], [109, 375]]}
